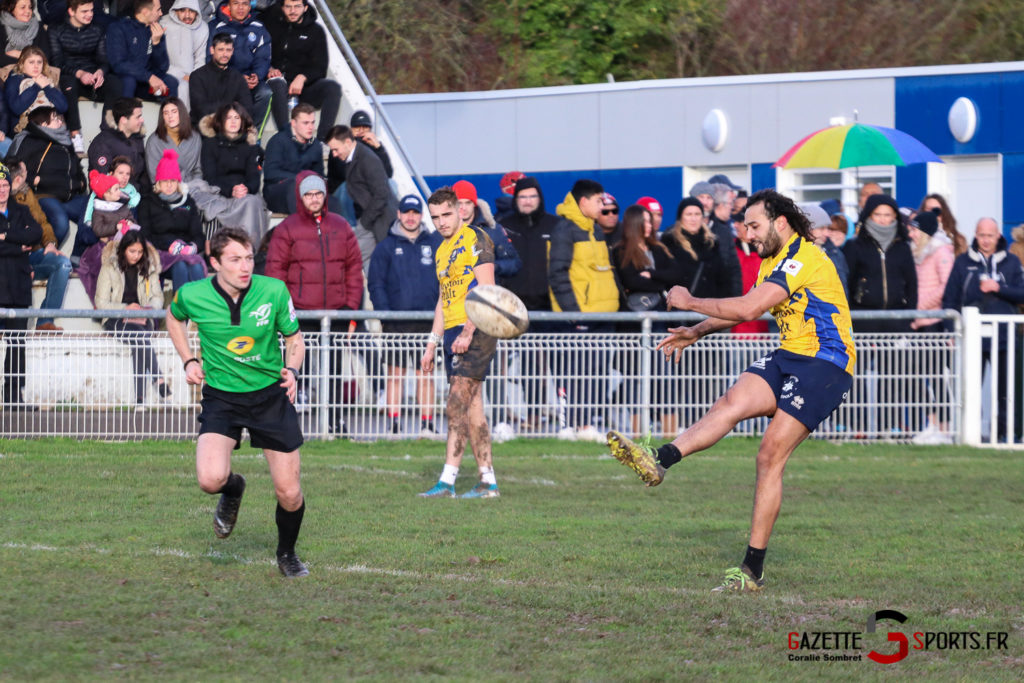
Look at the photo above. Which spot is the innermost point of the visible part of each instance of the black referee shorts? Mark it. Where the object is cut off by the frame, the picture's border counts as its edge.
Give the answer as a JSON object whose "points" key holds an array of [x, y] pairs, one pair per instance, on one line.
{"points": [[267, 413]]}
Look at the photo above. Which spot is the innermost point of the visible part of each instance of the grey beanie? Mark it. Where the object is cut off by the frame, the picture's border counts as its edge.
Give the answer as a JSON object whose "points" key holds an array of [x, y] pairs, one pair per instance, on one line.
{"points": [[816, 215], [702, 188], [312, 183]]}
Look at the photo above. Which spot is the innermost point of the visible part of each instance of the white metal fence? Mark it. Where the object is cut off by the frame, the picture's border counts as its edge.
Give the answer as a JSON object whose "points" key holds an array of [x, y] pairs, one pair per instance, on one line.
{"points": [[106, 385]]}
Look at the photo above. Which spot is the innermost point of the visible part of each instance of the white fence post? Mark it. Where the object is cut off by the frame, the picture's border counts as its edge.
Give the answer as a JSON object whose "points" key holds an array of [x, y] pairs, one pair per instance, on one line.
{"points": [[971, 374]]}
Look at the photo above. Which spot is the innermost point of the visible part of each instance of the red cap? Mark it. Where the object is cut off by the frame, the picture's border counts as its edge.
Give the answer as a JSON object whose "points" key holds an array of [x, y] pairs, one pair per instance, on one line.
{"points": [[651, 204], [465, 190], [508, 181]]}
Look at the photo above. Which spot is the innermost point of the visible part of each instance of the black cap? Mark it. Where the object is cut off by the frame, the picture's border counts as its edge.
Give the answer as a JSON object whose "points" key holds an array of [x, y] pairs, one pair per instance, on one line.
{"points": [[722, 179], [360, 118], [926, 222]]}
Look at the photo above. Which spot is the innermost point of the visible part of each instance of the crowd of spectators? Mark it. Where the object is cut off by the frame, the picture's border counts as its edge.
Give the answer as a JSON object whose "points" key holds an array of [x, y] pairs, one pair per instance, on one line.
{"points": [[217, 71], [220, 71]]}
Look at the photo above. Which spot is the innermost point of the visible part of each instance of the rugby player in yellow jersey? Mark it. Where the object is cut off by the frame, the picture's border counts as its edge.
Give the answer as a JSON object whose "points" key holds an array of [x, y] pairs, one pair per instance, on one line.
{"points": [[464, 260], [798, 385]]}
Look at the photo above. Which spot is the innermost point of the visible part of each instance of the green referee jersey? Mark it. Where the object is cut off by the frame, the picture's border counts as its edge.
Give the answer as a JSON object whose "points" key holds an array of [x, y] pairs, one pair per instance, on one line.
{"points": [[241, 350]]}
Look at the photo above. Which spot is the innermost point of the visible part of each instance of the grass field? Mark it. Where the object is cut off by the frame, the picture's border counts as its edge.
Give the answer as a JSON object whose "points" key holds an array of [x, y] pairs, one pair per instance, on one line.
{"points": [[109, 567]]}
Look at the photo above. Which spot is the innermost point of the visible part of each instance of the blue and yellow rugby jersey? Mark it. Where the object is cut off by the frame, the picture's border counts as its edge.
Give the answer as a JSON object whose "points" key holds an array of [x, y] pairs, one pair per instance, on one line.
{"points": [[815, 319], [455, 260]]}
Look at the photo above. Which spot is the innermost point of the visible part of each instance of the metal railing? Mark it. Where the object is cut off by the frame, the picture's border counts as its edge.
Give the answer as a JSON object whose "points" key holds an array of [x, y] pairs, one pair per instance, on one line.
{"points": [[105, 384]]}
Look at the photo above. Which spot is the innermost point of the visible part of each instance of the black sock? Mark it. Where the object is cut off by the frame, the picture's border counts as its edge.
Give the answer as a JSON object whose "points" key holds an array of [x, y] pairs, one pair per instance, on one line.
{"points": [[288, 524], [668, 455], [234, 487], [755, 560]]}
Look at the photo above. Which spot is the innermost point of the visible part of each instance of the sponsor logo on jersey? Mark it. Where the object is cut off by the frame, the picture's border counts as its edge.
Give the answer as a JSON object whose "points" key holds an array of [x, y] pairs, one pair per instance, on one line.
{"points": [[262, 314], [791, 267], [241, 345]]}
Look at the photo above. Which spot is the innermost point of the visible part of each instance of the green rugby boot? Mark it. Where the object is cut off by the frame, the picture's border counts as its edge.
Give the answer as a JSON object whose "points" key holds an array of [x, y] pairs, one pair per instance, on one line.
{"points": [[638, 457], [739, 579]]}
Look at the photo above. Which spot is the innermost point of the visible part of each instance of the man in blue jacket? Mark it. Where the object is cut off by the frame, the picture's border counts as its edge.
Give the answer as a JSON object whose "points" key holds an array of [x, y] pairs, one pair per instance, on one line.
{"points": [[289, 152], [138, 55], [252, 53], [402, 277], [989, 278]]}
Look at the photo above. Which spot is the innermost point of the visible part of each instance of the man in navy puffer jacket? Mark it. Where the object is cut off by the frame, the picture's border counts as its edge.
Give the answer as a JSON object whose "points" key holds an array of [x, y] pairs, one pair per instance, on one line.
{"points": [[138, 55], [991, 279]]}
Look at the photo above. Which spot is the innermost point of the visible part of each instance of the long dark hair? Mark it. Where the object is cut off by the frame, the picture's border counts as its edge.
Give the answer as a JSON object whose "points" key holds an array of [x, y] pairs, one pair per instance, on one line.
{"points": [[776, 204], [634, 243], [133, 237], [184, 122], [222, 115]]}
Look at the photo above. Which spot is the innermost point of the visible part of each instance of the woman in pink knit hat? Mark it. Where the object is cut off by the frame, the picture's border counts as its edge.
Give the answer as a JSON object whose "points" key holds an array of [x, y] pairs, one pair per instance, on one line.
{"points": [[170, 221]]}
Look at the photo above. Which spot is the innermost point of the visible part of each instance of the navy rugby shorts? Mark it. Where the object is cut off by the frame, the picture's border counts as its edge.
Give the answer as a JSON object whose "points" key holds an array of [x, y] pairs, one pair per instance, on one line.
{"points": [[807, 388], [475, 362]]}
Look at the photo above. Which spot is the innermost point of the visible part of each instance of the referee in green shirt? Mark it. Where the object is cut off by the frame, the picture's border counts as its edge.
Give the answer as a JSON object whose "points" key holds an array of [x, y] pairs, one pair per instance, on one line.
{"points": [[239, 316]]}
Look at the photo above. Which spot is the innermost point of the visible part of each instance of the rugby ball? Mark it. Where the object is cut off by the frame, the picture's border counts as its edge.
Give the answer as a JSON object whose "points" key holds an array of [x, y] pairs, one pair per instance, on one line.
{"points": [[497, 311]]}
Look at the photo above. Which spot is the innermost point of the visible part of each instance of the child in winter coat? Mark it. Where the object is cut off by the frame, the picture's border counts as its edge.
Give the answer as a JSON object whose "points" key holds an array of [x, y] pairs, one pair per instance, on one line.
{"points": [[121, 171], [170, 220], [110, 218]]}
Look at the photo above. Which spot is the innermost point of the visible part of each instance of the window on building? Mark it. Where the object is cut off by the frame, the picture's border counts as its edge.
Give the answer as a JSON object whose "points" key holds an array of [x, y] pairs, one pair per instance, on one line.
{"points": [[816, 185]]}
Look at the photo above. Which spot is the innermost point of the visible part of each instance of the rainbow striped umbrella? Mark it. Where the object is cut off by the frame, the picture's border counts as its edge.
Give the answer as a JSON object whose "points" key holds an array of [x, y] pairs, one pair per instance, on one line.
{"points": [[856, 144]]}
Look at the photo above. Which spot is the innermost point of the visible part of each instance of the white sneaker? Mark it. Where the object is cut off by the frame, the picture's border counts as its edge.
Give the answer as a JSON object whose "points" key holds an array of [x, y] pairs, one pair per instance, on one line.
{"points": [[931, 436], [502, 432], [589, 433], [78, 142], [567, 434], [428, 434]]}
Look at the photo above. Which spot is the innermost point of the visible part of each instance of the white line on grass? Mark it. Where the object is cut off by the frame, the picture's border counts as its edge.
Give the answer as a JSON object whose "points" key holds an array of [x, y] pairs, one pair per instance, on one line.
{"points": [[354, 569], [416, 475], [374, 470]]}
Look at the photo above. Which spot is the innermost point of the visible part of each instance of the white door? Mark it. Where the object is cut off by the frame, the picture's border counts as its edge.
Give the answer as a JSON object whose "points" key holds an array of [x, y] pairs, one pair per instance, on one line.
{"points": [[973, 186]]}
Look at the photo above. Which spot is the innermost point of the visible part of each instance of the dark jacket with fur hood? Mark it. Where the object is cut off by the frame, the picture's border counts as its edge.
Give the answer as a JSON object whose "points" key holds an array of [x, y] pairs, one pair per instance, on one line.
{"points": [[228, 162]]}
